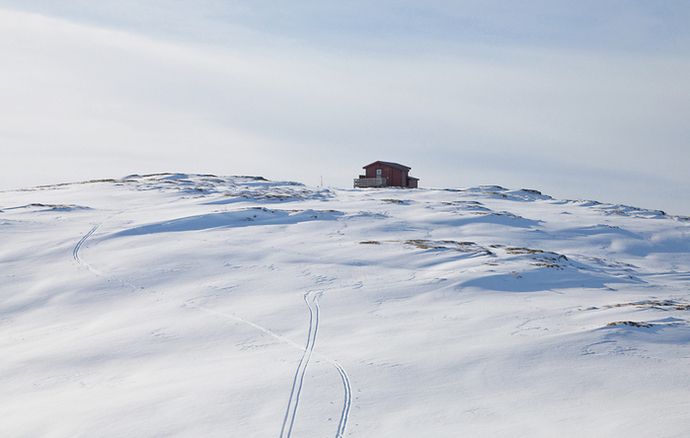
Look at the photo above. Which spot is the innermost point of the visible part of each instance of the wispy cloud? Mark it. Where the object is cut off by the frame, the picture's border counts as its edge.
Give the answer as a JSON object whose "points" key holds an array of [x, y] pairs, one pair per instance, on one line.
{"points": [[317, 89]]}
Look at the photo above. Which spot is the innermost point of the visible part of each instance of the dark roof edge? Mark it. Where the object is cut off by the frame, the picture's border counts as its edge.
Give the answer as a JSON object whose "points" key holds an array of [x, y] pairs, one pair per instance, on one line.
{"points": [[399, 166]]}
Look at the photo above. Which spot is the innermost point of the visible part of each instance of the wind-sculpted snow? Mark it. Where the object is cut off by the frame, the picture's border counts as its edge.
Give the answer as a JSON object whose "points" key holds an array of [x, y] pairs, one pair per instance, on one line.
{"points": [[200, 305], [545, 279], [498, 218], [514, 195], [238, 218], [47, 207]]}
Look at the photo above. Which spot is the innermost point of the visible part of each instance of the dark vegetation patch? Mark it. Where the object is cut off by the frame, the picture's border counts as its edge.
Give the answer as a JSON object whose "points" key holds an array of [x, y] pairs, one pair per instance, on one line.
{"points": [[626, 210], [51, 186], [467, 205], [609, 263], [465, 247], [275, 194], [618, 212], [253, 178], [651, 304], [542, 259], [57, 207], [461, 203], [548, 265], [282, 210], [532, 191], [448, 244], [630, 323], [523, 251], [502, 195], [500, 214]]}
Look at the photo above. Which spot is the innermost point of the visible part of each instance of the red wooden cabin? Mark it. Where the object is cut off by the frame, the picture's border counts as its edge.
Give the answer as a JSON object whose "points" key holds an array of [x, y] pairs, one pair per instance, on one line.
{"points": [[385, 174]]}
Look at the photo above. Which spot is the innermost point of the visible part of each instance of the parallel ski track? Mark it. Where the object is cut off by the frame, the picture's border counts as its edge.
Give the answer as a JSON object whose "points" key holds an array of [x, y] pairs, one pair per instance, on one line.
{"points": [[75, 252], [308, 350], [298, 380], [347, 389], [347, 402]]}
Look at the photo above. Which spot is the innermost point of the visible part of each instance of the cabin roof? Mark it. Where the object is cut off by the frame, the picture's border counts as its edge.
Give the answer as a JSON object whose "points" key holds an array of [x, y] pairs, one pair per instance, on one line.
{"points": [[388, 163]]}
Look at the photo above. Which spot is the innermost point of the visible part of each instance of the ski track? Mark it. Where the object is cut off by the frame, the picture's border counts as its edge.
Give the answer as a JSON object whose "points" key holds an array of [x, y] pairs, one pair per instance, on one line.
{"points": [[298, 380], [75, 252], [308, 350], [314, 319], [347, 401], [347, 389]]}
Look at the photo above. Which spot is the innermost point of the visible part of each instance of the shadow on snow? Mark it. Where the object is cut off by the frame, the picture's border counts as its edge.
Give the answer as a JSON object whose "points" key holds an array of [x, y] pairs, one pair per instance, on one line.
{"points": [[230, 219]]}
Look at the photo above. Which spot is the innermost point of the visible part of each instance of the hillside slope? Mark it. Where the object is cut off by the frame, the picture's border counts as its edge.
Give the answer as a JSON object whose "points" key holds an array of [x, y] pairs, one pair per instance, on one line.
{"points": [[188, 305]]}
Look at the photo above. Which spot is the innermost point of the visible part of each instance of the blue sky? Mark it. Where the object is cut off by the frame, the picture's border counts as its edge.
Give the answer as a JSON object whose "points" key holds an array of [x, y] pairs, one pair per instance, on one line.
{"points": [[577, 99]]}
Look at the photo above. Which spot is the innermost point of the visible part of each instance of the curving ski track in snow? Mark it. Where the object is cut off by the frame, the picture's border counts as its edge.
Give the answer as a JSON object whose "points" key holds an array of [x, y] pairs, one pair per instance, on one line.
{"points": [[308, 350], [75, 252], [347, 401], [347, 388], [298, 380]]}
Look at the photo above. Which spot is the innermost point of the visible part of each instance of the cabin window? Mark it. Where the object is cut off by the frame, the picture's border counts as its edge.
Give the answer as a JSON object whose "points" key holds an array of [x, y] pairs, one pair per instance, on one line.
{"points": [[378, 173]]}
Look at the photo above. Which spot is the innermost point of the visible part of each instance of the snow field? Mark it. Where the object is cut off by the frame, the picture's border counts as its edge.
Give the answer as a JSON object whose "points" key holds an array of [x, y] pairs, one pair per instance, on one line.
{"points": [[473, 312]]}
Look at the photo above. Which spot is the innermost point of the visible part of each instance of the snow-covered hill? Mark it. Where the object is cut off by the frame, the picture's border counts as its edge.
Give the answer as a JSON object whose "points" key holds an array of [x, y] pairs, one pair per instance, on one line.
{"points": [[200, 306]]}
